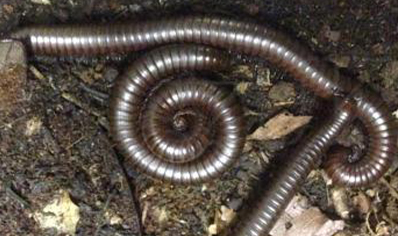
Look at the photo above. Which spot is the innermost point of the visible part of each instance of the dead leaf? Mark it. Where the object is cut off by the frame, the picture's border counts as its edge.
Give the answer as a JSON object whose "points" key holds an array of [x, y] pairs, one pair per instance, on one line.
{"points": [[279, 126], [212, 230], [227, 215], [382, 229], [341, 202], [296, 207], [313, 223], [362, 203], [161, 214], [61, 214], [222, 218], [305, 220]]}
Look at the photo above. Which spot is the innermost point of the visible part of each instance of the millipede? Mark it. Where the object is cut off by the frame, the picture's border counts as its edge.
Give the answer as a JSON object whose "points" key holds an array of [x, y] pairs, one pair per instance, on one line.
{"points": [[189, 131]]}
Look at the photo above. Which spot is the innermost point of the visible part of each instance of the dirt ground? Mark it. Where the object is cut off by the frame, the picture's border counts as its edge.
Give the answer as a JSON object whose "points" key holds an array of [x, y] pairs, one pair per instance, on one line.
{"points": [[54, 138]]}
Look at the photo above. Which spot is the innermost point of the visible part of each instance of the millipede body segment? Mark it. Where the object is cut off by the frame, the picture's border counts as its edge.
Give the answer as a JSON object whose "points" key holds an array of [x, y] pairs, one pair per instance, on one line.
{"points": [[163, 130], [189, 131]]}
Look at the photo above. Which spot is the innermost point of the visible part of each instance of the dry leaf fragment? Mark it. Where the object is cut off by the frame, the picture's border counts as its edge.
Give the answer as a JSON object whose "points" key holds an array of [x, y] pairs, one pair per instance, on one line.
{"points": [[227, 215], [362, 203], [161, 214], [61, 214], [313, 223], [296, 207], [279, 126], [305, 221], [212, 230], [341, 202], [382, 229], [222, 218]]}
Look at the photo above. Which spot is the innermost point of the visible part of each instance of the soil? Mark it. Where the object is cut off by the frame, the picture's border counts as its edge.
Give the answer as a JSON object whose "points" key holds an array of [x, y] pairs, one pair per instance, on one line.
{"points": [[57, 137]]}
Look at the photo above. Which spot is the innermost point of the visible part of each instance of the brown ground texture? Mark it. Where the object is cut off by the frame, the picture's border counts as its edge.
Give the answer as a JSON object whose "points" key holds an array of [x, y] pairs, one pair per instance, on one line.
{"points": [[54, 135]]}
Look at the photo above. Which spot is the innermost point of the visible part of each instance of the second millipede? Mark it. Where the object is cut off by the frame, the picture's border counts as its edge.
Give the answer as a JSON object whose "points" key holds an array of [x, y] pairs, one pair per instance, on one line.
{"points": [[164, 137]]}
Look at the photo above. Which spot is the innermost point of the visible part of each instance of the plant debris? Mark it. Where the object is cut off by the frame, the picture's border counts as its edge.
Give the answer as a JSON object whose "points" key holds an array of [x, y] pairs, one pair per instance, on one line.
{"points": [[302, 219], [279, 126], [54, 131], [60, 214]]}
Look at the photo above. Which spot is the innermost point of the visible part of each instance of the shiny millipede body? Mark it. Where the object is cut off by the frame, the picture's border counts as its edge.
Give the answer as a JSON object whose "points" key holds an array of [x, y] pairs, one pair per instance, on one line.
{"points": [[189, 131], [237, 36]]}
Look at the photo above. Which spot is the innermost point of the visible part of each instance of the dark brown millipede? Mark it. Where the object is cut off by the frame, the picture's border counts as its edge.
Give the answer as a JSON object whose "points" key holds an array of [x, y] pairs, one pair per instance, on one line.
{"points": [[219, 147]]}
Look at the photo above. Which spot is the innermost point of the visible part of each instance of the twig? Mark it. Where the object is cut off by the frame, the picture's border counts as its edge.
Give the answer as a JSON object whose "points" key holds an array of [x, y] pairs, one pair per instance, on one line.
{"points": [[101, 216], [392, 191], [279, 104], [14, 195], [368, 224], [71, 98], [37, 73], [9, 125], [75, 142], [97, 95], [130, 190], [41, 77]]}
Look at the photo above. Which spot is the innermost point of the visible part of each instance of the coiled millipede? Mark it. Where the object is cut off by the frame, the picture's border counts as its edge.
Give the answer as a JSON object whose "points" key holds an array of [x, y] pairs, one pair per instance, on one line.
{"points": [[158, 141]]}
